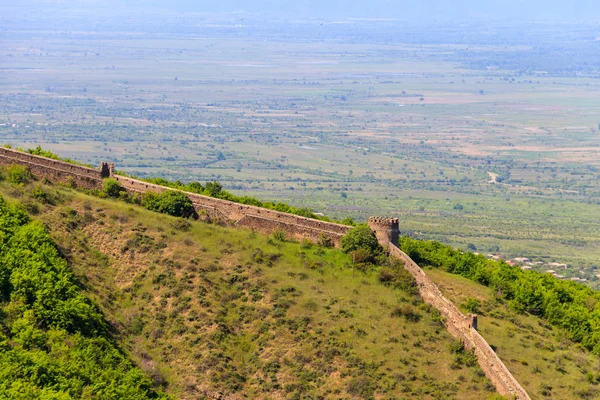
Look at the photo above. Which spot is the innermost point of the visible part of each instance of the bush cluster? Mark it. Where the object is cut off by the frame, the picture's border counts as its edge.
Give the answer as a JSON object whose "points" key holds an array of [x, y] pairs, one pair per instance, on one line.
{"points": [[169, 202], [362, 246], [361, 237], [18, 174], [54, 342], [39, 151]]}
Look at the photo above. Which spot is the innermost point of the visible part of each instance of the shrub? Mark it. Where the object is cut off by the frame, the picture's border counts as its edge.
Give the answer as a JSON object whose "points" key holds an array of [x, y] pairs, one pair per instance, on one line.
{"points": [[348, 221], [361, 237], [181, 225], [306, 244], [213, 189], [408, 312], [361, 256], [112, 188], [398, 277], [31, 207], [386, 275], [361, 386], [18, 175], [43, 196], [70, 182], [169, 202], [279, 235], [471, 305], [461, 355], [325, 241]]}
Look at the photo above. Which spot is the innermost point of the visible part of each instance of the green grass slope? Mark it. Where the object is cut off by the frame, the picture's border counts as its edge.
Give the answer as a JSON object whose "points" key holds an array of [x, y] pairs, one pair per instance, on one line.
{"points": [[207, 310], [542, 358]]}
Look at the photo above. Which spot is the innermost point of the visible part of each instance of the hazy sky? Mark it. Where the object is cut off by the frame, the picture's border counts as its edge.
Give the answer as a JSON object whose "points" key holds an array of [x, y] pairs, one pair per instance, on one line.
{"points": [[332, 9], [524, 9]]}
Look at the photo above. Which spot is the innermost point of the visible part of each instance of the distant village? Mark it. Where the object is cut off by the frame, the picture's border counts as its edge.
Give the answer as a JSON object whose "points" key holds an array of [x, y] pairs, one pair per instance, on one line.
{"points": [[558, 270]]}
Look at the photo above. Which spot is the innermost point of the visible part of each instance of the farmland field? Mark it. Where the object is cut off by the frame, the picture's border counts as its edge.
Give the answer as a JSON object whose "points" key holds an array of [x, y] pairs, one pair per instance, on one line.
{"points": [[488, 143]]}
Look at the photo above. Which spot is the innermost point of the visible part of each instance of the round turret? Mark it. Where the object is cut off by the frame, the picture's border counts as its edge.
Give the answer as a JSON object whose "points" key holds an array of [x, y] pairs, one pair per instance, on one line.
{"points": [[386, 229]]}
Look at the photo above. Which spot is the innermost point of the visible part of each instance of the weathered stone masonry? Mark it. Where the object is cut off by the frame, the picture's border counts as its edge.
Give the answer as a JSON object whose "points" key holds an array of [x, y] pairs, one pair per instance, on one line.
{"points": [[460, 326], [260, 219], [264, 220], [56, 171]]}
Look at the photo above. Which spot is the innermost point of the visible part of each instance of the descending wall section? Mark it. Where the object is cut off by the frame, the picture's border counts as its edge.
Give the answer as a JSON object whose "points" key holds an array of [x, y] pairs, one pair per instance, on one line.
{"points": [[260, 219], [463, 328], [56, 171]]}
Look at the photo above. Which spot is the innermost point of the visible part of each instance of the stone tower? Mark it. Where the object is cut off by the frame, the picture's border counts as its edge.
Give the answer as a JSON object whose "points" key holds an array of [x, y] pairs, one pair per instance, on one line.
{"points": [[386, 229], [107, 170]]}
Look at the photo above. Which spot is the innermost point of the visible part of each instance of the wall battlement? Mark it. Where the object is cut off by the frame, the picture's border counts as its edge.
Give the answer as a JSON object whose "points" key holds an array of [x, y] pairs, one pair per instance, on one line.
{"points": [[386, 229]]}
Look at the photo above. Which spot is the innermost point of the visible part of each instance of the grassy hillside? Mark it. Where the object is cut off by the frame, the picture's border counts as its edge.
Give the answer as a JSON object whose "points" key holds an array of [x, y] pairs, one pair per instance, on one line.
{"points": [[207, 310], [546, 330], [540, 356]]}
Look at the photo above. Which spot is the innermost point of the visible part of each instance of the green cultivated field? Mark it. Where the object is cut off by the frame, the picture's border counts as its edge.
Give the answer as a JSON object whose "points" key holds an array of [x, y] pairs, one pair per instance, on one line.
{"points": [[410, 126]]}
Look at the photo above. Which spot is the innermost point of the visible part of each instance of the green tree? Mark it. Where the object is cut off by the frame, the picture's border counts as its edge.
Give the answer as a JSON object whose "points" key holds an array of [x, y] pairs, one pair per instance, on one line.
{"points": [[112, 188], [361, 237], [213, 189], [169, 202]]}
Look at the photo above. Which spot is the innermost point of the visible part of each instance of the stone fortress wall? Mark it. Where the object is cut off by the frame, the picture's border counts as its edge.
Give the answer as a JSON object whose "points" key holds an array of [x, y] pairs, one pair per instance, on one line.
{"points": [[460, 326], [54, 170], [259, 219]]}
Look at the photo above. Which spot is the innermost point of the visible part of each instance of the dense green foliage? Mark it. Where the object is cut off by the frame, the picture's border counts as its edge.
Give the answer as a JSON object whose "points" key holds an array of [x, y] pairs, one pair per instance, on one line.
{"points": [[39, 151], [395, 275], [360, 237], [18, 174], [112, 188], [364, 249], [169, 202], [568, 305], [54, 342]]}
